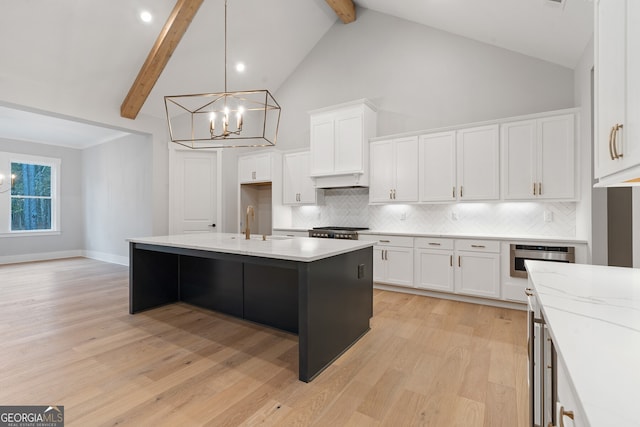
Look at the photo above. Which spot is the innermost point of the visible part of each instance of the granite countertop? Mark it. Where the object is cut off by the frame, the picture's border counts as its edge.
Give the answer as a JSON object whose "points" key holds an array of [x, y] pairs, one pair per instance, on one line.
{"points": [[302, 249], [502, 237], [593, 315]]}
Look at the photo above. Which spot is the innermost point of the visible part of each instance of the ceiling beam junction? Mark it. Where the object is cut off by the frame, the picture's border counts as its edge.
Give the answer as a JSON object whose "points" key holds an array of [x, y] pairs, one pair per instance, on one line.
{"points": [[345, 9], [166, 43]]}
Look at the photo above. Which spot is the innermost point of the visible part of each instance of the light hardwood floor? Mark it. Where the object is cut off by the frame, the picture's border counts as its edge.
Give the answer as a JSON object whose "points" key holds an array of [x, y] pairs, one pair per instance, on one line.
{"points": [[67, 339]]}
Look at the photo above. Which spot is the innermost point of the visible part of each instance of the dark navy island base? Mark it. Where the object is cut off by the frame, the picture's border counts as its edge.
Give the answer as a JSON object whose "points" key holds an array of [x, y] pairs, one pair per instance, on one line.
{"points": [[328, 302]]}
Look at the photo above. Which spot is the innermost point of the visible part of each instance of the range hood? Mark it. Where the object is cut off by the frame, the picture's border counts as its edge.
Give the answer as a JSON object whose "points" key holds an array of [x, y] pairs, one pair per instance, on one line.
{"points": [[351, 180]]}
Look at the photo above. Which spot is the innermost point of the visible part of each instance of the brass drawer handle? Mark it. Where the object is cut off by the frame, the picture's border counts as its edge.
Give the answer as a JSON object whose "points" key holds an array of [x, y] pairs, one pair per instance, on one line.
{"points": [[563, 413], [528, 292], [534, 188], [384, 241], [613, 129], [616, 128], [434, 244], [478, 246]]}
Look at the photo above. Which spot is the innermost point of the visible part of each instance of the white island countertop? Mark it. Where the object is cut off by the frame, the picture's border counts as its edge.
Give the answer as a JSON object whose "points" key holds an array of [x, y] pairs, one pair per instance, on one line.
{"points": [[304, 249], [593, 315]]}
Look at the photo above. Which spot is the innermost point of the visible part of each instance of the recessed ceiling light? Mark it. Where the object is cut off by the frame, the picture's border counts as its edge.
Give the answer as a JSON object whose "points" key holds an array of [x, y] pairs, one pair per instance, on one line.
{"points": [[240, 67], [145, 16]]}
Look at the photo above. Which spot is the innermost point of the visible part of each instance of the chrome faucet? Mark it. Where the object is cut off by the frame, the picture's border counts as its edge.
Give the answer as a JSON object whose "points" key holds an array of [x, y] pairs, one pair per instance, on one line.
{"points": [[247, 231]]}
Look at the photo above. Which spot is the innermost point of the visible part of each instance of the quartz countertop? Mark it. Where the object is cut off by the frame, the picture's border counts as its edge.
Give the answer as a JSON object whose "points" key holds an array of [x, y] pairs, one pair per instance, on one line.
{"points": [[501, 237], [302, 249], [593, 315]]}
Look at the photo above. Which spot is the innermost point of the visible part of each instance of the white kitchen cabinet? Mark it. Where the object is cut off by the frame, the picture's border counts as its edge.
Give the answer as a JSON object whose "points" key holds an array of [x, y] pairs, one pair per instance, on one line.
{"points": [[477, 268], [394, 171], [437, 164], [392, 259], [255, 168], [538, 158], [433, 264], [478, 163], [617, 91], [340, 142], [297, 186]]}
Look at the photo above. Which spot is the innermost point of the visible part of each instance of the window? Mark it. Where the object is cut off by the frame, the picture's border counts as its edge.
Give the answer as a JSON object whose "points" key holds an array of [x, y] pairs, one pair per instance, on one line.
{"points": [[29, 188], [30, 197]]}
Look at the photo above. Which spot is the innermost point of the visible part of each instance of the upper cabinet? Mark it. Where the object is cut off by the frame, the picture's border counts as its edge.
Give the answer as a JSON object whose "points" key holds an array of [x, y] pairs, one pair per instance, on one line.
{"points": [[297, 186], [460, 165], [617, 91], [253, 168], [394, 171], [478, 163], [340, 144], [538, 158], [437, 154]]}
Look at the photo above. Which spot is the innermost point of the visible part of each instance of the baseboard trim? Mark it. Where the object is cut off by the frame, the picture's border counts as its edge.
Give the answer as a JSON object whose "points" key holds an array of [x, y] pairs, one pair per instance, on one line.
{"points": [[105, 257], [43, 256], [453, 297]]}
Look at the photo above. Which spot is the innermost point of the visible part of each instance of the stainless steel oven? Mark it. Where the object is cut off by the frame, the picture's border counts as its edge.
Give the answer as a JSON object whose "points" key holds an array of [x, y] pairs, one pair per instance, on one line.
{"points": [[521, 253]]}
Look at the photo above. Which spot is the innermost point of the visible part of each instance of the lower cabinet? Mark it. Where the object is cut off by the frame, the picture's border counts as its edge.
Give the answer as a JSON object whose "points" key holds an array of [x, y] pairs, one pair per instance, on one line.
{"points": [[434, 264], [478, 268], [568, 413], [470, 267], [393, 260]]}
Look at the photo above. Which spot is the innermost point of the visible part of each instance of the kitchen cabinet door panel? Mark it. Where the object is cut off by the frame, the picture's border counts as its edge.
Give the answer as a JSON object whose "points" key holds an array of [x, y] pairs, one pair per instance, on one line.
{"points": [[406, 166], [434, 269], [610, 72], [556, 157], [322, 145], [379, 265], [297, 186], [519, 159], [382, 171], [437, 180], [399, 266], [478, 163], [478, 274], [348, 152]]}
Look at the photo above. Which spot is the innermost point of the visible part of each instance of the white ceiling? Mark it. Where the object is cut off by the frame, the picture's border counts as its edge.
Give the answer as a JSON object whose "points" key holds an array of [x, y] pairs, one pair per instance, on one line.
{"points": [[91, 51]]}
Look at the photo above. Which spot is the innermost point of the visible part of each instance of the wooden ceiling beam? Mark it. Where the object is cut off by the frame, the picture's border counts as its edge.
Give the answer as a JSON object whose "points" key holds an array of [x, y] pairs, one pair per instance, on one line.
{"points": [[345, 9], [166, 43]]}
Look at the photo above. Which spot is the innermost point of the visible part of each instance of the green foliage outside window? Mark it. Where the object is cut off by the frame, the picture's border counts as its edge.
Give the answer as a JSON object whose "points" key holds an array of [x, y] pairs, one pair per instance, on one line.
{"points": [[30, 197]]}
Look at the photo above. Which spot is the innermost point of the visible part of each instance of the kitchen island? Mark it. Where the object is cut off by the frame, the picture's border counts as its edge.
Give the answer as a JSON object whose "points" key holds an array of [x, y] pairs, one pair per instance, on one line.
{"points": [[592, 314], [319, 289]]}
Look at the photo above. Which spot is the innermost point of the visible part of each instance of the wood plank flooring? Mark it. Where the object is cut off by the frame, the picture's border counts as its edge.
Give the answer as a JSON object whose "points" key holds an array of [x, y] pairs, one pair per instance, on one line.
{"points": [[67, 339]]}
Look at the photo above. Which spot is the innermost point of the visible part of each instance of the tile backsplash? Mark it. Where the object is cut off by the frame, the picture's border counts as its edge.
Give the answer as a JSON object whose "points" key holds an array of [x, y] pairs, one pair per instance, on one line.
{"points": [[350, 207]]}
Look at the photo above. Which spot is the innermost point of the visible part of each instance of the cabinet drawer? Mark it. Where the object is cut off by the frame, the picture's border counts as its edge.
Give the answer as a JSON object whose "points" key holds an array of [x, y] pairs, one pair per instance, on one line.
{"points": [[433, 243], [401, 241], [478, 245]]}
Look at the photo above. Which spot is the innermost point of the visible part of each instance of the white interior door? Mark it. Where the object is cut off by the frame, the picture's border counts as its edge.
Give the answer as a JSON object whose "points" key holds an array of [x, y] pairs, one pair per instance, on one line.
{"points": [[194, 191]]}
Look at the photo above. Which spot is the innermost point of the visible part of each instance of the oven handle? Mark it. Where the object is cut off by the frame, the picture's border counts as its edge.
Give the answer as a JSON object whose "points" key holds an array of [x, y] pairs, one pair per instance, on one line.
{"points": [[544, 255]]}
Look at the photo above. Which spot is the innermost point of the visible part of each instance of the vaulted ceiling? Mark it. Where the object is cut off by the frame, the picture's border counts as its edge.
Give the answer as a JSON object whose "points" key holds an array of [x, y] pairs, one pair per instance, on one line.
{"points": [[91, 51]]}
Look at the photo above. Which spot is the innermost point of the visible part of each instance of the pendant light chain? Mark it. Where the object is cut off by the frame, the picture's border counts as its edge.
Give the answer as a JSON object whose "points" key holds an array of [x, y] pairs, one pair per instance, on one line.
{"points": [[225, 45]]}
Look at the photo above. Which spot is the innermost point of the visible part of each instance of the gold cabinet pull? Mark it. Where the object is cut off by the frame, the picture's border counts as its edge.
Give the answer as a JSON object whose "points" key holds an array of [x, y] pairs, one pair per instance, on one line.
{"points": [[459, 261], [539, 189], [528, 292], [450, 260], [453, 192], [613, 129], [616, 128], [563, 413], [461, 191], [434, 244], [534, 188], [477, 246]]}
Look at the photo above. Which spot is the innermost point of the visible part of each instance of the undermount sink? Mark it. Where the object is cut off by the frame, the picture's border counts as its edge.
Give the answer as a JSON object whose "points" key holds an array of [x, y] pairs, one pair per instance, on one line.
{"points": [[258, 237]]}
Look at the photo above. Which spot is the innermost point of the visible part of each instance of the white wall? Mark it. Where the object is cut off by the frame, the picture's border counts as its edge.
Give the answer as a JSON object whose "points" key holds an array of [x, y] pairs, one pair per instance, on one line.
{"points": [[71, 238], [117, 193], [417, 76]]}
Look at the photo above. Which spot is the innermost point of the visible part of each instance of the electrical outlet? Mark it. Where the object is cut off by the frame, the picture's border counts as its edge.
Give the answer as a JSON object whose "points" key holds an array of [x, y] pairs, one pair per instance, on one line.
{"points": [[454, 216], [403, 216], [548, 216]]}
